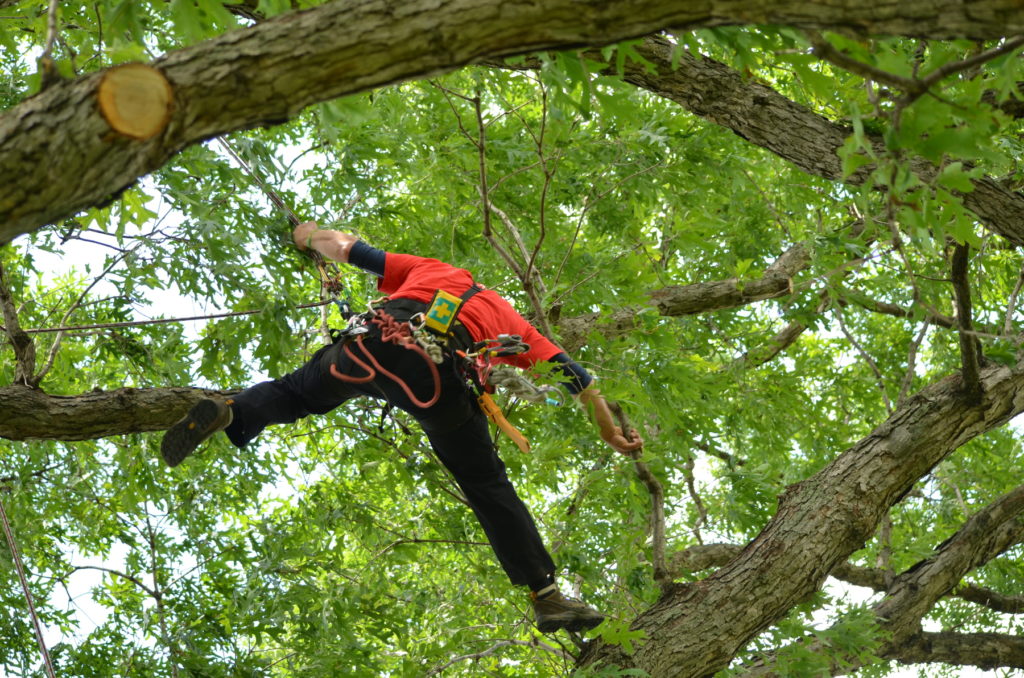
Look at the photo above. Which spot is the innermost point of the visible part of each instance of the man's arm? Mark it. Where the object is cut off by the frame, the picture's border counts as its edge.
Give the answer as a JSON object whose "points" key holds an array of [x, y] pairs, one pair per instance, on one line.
{"points": [[602, 417], [334, 245]]}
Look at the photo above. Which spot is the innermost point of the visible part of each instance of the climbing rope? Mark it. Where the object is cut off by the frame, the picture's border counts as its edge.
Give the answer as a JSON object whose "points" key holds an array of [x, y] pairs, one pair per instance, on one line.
{"points": [[518, 385], [395, 332], [330, 275], [28, 594]]}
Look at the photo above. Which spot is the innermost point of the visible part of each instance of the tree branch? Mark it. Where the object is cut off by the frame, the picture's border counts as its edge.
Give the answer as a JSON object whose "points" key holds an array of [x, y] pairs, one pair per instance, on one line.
{"points": [[984, 650], [24, 347], [969, 345], [819, 523], [29, 413]]}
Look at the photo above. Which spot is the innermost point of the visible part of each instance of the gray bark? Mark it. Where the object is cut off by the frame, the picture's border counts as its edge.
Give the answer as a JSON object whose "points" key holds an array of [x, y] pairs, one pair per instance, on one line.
{"points": [[29, 413], [702, 297], [58, 156]]}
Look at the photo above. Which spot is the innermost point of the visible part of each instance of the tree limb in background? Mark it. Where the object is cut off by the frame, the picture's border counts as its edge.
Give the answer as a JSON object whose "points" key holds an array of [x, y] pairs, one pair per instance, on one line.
{"points": [[24, 347], [702, 297], [912, 594], [765, 118], [984, 650]]}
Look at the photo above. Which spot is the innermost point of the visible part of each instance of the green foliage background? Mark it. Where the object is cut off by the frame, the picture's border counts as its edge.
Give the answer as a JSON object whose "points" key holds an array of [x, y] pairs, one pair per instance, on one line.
{"points": [[337, 546]]}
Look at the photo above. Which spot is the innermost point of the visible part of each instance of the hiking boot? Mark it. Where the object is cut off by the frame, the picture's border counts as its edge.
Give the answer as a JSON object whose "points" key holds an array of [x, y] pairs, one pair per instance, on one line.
{"points": [[554, 611], [204, 419]]}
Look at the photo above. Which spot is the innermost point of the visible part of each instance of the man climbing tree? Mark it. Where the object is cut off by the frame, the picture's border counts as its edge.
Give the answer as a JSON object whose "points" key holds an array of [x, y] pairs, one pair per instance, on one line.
{"points": [[388, 363]]}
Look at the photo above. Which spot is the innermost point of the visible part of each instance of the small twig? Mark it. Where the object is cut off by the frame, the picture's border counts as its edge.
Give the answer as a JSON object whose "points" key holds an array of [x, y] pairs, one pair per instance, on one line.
{"points": [[661, 575], [879, 379], [691, 487], [823, 49], [908, 378], [494, 648], [1011, 304], [969, 345], [55, 346]]}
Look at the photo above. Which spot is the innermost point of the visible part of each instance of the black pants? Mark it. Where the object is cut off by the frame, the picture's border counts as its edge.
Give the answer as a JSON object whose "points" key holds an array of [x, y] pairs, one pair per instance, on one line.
{"points": [[455, 426]]}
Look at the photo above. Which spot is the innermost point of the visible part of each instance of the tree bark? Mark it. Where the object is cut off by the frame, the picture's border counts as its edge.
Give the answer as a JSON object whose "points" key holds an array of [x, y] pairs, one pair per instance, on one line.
{"points": [[30, 413], [706, 556], [58, 155], [984, 650], [695, 630]]}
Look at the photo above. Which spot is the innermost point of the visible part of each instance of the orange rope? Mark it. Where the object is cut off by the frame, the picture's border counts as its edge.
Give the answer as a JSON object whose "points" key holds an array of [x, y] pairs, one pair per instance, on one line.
{"points": [[398, 333]]}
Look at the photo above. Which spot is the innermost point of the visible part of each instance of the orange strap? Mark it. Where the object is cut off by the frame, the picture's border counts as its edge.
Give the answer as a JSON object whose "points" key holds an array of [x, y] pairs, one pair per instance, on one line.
{"points": [[492, 410]]}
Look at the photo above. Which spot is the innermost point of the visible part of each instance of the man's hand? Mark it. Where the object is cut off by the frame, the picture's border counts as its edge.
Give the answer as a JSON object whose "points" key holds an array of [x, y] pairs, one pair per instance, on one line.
{"points": [[303, 234], [610, 433], [623, 444]]}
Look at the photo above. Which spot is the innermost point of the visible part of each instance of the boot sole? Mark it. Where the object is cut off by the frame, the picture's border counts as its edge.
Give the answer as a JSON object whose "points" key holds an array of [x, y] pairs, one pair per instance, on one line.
{"points": [[569, 623], [184, 437]]}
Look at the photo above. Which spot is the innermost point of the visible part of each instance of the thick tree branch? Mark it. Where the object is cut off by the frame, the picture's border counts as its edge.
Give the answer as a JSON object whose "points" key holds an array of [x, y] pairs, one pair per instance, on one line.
{"points": [[984, 650], [819, 523], [913, 593], [765, 118], [707, 556], [59, 155], [30, 413]]}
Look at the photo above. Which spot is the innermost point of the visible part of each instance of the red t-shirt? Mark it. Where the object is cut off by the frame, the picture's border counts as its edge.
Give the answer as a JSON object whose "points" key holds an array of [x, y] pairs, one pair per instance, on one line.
{"points": [[486, 315]]}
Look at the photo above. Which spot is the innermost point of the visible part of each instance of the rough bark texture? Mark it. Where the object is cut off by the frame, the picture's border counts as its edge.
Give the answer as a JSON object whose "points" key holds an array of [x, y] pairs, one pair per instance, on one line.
{"points": [[58, 155], [706, 556], [30, 413], [695, 630], [984, 650]]}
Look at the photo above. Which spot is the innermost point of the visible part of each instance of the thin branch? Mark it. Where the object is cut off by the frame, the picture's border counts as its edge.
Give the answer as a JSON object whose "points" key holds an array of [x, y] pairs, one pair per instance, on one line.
{"points": [[908, 378], [494, 648], [691, 488], [969, 347], [172, 648], [824, 50], [661, 575], [55, 346], [1011, 304], [413, 540], [150, 592], [879, 379], [24, 347]]}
